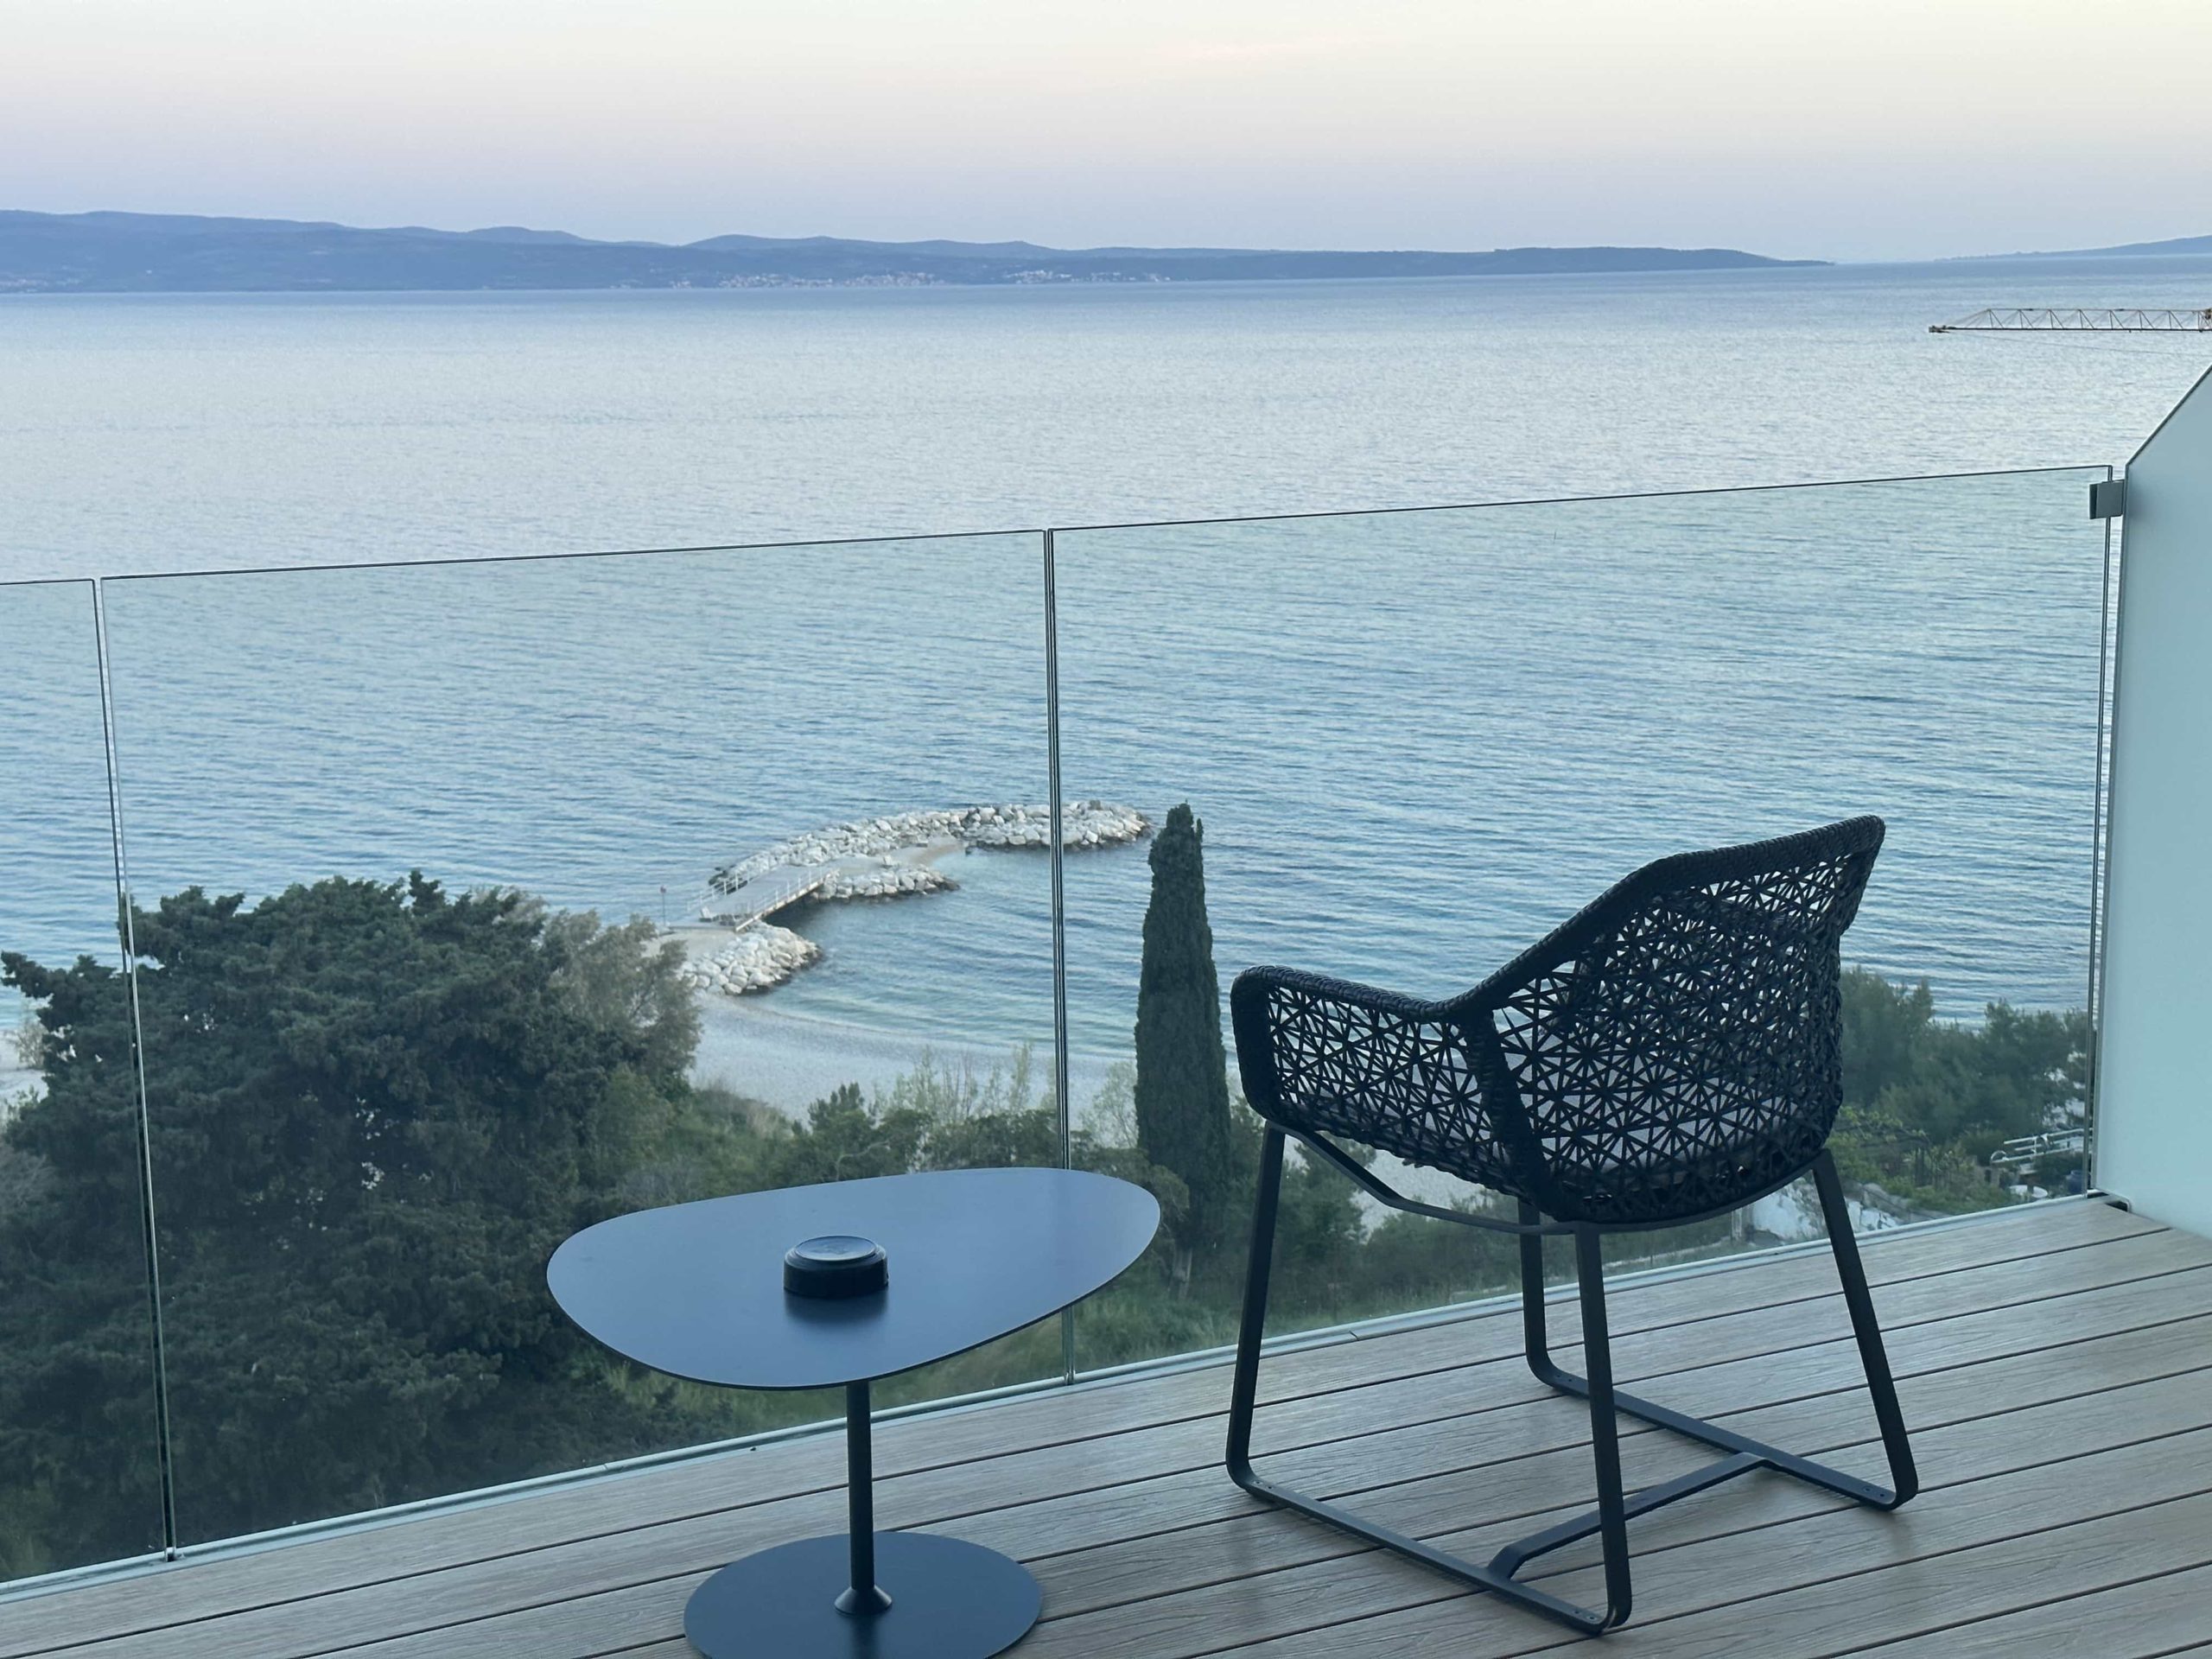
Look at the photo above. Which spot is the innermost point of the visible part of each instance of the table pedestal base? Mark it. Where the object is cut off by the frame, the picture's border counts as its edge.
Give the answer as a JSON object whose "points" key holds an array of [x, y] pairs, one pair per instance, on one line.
{"points": [[950, 1599]]}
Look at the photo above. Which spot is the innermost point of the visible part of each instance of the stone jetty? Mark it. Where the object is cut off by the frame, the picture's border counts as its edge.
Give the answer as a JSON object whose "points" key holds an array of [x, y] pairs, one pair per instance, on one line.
{"points": [[872, 858], [762, 956], [1086, 823]]}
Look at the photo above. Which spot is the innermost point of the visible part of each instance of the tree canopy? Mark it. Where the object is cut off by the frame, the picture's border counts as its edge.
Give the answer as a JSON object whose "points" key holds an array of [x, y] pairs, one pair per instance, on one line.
{"points": [[1926, 1100], [374, 1109]]}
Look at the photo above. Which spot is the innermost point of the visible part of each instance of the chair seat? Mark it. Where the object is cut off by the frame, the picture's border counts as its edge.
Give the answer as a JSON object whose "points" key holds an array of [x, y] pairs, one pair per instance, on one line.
{"points": [[1427, 1142], [1658, 1186], [1648, 1186], [1670, 1050]]}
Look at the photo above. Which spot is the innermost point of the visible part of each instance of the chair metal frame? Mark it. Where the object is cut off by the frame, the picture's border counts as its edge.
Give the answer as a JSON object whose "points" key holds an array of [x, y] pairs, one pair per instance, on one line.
{"points": [[1609, 1519]]}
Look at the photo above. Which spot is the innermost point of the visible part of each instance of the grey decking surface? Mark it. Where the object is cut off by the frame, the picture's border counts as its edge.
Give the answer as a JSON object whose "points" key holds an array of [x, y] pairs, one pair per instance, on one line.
{"points": [[2055, 1366]]}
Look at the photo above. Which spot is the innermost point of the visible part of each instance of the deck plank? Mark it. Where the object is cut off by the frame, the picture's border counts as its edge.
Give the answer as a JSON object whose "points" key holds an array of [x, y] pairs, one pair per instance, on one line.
{"points": [[2136, 1620], [1928, 1329], [2077, 1330], [1985, 1410], [1925, 1584], [1765, 1531], [210, 1587]]}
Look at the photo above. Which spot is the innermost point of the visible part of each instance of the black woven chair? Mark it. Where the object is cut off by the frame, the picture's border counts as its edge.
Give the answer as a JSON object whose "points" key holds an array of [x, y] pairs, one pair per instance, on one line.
{"points": [[1668, 1055]]}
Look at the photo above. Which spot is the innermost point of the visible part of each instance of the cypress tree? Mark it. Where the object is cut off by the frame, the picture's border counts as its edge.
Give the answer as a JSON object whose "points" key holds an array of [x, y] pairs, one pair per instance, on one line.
{"points": [[1182, 1082]]}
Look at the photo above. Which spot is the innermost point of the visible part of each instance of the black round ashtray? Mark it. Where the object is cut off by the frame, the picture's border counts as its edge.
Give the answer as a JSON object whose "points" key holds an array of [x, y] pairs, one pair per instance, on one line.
{"points": [[836, 1265]]}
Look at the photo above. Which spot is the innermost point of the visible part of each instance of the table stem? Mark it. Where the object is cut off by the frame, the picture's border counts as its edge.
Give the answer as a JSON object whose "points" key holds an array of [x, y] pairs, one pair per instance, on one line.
{"points": [[864, 1596]]}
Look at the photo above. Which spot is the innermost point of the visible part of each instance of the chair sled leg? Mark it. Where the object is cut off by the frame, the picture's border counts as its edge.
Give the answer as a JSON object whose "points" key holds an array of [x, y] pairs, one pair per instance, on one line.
{"points": [[1243, 1397], [1745, 1453]]}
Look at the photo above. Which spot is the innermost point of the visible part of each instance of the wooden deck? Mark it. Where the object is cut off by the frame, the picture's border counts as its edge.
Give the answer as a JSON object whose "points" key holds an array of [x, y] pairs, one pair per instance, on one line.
{"points": [[2055, 1366]]}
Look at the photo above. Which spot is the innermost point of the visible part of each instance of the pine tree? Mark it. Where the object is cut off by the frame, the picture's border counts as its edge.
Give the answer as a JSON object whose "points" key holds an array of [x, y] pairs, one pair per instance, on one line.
{"points": [[1182, 1082]]}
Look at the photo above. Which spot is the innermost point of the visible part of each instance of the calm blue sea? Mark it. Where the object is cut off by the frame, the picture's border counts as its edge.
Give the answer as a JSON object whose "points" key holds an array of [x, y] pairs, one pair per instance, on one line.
{"points": [[1415, 738]]}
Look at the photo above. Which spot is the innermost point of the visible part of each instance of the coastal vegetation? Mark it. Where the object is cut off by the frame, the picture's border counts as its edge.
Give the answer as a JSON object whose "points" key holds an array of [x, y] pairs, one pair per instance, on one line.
{"points": [[374, 1109]]}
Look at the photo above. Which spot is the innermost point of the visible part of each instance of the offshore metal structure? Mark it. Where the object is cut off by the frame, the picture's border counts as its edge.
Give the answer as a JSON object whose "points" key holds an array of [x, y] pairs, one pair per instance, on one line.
{"points": [[2128, 320]]}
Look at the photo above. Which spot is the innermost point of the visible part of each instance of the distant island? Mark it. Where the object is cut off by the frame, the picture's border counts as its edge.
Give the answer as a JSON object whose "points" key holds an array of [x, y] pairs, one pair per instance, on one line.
{"points": [[2171, 247], [113, 252]]}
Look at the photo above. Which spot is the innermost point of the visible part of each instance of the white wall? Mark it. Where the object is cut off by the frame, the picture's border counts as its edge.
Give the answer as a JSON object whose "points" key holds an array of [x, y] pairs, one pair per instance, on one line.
{"points": [[2154, 1116]]}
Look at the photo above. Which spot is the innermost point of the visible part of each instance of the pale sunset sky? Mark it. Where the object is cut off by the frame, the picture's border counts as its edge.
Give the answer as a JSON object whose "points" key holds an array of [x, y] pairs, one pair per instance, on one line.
{"points": [[1847, 129]]}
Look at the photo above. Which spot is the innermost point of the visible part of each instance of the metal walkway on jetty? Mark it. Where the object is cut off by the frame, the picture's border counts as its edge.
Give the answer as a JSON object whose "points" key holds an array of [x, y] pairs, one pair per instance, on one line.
{"points": [[763, 896]]}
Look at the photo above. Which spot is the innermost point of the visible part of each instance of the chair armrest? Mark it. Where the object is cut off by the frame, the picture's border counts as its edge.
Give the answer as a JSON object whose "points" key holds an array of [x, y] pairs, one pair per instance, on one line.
{"points": [[1329, 1055], [1265, 1004]]}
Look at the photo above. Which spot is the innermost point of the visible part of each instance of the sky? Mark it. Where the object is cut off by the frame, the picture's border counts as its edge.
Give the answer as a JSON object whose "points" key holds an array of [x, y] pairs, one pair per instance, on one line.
{"points": [[1841, 129]]}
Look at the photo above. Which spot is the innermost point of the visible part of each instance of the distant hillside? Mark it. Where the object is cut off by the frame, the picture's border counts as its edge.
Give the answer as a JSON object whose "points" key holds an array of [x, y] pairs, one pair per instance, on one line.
{"points": [[156, 252], [2178, 244], [2174, 244]]}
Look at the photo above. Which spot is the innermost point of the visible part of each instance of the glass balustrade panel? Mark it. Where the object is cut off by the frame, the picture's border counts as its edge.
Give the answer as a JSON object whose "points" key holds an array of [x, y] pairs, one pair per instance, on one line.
{"points": [[80, 1455], [481, 901], [1411, 744]]}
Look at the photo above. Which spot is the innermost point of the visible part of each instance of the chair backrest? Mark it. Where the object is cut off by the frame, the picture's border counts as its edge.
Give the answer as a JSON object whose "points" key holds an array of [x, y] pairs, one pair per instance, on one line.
{"points": [[1675, 1047]]}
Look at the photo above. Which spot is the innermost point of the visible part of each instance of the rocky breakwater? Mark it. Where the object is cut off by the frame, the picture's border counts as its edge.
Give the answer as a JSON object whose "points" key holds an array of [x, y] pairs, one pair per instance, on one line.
{"points": [[888, 879], [1085, 825], [872, 858], [762, 956]]}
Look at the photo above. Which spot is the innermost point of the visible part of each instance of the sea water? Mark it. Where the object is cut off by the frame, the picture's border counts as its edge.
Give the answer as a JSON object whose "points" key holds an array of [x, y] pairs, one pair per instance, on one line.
{"points": [[1417, 740]]}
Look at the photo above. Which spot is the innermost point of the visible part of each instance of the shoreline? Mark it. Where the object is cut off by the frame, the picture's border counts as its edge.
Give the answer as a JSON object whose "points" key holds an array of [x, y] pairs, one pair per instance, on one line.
{"points": [[787, 1061]]}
